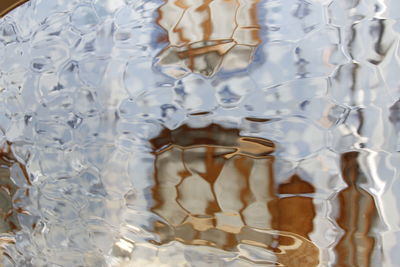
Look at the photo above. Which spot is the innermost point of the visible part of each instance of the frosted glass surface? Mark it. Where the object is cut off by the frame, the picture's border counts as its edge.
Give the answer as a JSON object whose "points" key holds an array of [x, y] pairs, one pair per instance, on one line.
{"points": [[200, 133]]}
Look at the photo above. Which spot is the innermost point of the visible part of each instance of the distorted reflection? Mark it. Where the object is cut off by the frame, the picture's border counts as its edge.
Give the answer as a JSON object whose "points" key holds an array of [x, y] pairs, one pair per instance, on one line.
{"points": [[216, 188], [357, 216], [10, 171], [8, 215], [205, 36], [248, 133]]}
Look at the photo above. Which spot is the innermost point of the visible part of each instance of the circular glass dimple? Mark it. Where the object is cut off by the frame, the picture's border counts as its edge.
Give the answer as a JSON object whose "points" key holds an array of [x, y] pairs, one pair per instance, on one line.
{"points": [[105, 8], [84, 18], [127, 16], [8, 33], [40, 64]]}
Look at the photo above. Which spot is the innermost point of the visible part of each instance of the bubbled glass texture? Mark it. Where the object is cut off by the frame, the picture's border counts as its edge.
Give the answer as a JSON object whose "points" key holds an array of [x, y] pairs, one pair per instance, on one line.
{"points": [[86, 85]]}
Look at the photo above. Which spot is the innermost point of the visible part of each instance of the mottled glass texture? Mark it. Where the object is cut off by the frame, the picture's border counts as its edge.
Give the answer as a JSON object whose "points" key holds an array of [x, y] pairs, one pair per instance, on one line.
{"points": [[174, 133]]}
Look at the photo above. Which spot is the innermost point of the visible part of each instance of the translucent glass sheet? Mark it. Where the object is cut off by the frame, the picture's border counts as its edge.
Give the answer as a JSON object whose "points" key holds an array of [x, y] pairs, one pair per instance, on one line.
{"points": [[200, 133]]}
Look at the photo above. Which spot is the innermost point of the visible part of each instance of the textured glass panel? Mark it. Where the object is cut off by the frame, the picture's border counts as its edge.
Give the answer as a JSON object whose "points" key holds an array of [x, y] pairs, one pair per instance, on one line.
{"points": [[200, 133]]}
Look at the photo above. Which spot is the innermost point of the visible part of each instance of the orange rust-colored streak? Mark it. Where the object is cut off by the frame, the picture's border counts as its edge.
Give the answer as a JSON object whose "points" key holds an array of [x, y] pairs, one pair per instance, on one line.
{"points": [[244, 166], [213, 167], [182, 38], [255, 25], [220, 48], [180, 3], [356, 216], [155, 193], [207, 24]]}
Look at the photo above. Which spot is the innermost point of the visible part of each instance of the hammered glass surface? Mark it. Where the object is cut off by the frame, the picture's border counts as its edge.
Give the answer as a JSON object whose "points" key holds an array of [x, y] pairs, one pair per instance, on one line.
{"points": [[174, 133]]}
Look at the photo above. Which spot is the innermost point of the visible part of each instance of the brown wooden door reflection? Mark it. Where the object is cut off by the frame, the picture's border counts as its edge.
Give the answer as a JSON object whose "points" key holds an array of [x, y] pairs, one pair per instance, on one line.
{"points": [[206, 35], [216, 188]]}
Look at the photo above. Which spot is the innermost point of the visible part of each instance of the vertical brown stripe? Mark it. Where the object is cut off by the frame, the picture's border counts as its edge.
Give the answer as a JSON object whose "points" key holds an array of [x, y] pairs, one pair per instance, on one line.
{"points": [[356, 215]]}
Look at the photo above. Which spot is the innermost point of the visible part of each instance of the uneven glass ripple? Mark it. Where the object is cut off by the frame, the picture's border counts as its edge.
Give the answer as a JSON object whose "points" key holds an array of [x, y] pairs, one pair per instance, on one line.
{"points": [[200, 133]]}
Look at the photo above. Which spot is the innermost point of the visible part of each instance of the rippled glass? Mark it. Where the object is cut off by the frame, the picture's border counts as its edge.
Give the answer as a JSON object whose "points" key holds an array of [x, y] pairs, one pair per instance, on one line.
{"points": [[200, 133]]}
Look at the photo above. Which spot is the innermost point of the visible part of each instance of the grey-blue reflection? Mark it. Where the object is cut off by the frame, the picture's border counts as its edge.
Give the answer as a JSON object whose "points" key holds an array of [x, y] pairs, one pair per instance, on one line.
{"points": [[85, 86]]}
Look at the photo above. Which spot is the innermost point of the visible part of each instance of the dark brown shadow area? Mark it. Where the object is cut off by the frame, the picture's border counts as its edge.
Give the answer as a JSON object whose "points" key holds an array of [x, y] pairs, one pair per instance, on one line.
{"points": [[8, 5]]}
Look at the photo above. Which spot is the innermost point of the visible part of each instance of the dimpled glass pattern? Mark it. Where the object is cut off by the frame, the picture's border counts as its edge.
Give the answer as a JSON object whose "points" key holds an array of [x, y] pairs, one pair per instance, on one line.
{"points": [[199, 133]]}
